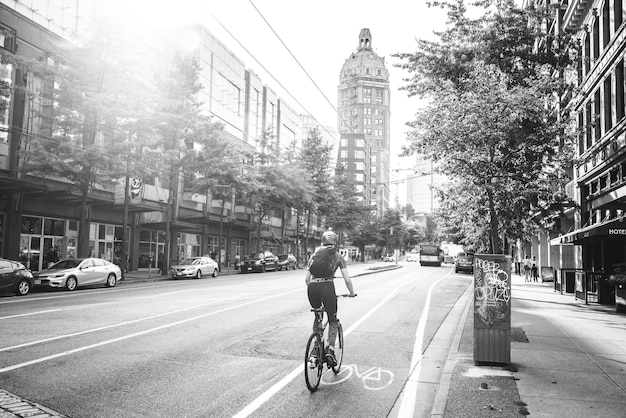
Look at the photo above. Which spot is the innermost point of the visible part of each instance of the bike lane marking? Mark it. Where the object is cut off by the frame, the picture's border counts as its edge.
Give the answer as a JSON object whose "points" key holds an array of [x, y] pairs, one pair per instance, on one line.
{"points": [[27, 314], [133, 335], [409, 395], [268, 394]]}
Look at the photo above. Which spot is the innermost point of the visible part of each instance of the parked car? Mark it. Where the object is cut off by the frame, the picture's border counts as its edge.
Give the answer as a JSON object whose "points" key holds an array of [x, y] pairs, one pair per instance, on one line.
{"points": [[389, 258], [286, 262], [15, 278], [259, 262], [195, 267], [413, 257], [464, 263], [73, 272]]}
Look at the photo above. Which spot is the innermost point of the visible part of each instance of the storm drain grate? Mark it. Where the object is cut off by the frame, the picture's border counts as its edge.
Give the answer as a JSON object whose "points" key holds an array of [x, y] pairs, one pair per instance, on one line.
{"points": [[518, 335]]}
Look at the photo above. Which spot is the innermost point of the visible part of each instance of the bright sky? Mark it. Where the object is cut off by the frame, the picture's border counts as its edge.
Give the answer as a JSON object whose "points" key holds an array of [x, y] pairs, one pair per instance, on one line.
{"points": [[320, 34]]}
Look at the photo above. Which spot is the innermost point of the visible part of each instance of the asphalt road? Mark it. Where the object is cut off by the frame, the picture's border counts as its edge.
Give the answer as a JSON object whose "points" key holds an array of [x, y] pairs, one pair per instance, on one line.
{"points": [[229, 346]]}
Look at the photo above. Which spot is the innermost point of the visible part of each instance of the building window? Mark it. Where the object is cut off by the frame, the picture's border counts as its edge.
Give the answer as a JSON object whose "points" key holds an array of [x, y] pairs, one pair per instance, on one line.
{"points": [[596, 39], [6, 72], [367, 121], [359, 166], [379, 112], [344, 154], [606, 24], [608, 113], [343, 142], [587, 53], [619, 13], [367, 100], [597, 116], [589, 126], [620, 111], [379, 71], [359, 177], [378, 132], [368, 70], [367, 111], [367, 91], [368, 131], [581, 136], [360, 155], [359, 143], [379, 121]]}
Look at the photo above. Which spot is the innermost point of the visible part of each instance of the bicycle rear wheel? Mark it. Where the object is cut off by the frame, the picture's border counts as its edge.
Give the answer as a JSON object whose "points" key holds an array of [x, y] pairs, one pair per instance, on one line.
{"points": [[339, 348], [313, 362]]}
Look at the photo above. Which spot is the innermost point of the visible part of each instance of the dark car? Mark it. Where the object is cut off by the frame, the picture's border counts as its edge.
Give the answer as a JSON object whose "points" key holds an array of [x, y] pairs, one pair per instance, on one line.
{"points": [[286, 262], [15, 278], [259, 262], [464, 262]]}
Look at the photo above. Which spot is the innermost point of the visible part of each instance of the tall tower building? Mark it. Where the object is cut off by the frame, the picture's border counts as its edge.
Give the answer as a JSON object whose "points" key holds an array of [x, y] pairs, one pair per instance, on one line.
{"points": [[363, 121]]}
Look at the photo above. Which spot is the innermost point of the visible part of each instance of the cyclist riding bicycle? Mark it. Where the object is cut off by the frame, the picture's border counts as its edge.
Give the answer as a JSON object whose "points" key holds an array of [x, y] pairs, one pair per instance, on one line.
{"points": [[321, 290]]}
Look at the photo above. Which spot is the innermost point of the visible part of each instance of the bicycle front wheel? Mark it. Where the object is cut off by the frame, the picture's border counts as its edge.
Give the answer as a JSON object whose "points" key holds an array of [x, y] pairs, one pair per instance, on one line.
{"points": [[313, 362], [339, 348]]}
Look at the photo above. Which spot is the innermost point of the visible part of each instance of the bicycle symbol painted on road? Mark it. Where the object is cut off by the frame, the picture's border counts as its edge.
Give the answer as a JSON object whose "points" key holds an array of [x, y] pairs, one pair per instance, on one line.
{"points": [[374, 378]]}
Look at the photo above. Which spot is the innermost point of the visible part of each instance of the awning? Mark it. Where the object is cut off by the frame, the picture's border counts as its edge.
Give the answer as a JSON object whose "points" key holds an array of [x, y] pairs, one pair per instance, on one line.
{"points": [[610, 228], [11, 185]]}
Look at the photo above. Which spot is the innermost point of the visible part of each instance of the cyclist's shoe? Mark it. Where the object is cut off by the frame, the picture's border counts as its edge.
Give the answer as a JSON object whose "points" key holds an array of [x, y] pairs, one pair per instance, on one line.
{"points": [[315, 357], [330, 357]]}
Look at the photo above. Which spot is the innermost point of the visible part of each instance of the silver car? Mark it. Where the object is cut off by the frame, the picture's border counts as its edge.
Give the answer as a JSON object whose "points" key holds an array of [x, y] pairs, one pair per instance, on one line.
{"points": [[195, 267], [73, 272]]}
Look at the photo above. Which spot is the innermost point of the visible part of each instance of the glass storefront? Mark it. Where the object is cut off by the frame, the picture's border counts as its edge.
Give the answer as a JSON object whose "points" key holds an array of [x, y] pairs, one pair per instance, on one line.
{"points": [[151, 248], [42, 241], [105, 241]]}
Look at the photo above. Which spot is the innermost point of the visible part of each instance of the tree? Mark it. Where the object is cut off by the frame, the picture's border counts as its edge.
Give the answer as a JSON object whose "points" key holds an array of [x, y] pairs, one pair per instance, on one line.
{"points": [[367, 232], [97, 104], [346, 210], [493, 129]]}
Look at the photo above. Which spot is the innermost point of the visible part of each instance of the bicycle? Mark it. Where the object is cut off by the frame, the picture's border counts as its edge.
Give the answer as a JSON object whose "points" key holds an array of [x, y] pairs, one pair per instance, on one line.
{"points": [[314, 357]]}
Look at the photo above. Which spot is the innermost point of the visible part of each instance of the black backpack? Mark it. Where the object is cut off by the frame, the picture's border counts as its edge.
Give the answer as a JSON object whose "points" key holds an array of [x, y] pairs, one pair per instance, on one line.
{"points": [[323, 262]]}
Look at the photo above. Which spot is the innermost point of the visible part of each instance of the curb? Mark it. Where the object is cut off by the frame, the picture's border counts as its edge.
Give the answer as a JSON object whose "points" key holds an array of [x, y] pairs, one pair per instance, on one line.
{"points": [[441, 398]]}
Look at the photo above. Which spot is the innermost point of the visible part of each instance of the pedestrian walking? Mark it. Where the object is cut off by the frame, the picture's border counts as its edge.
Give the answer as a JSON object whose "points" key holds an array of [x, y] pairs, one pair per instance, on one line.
{"points": [[237, 261], [533, 268], [527, 264]]}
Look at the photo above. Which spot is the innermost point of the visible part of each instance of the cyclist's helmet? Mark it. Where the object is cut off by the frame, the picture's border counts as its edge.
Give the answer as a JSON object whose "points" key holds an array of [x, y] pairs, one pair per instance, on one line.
{"points": [[329, 238]]}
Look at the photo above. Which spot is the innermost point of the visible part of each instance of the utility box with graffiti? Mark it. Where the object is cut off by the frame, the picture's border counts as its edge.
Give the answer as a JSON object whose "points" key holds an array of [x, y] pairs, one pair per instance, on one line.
{"points": [[492, 308]]}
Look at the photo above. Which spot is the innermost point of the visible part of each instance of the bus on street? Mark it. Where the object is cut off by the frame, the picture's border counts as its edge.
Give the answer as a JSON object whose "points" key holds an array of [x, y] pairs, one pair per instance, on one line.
{"points": [[431, 255]]}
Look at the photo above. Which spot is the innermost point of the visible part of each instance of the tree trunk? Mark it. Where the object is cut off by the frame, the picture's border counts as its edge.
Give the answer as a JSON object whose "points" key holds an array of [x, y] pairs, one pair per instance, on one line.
{"points": [[493, 222], [83, 228]]}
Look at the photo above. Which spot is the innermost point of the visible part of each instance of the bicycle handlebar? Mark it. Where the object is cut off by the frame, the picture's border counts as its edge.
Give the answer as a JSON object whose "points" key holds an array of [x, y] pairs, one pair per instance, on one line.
{"points": [[346, 295]]}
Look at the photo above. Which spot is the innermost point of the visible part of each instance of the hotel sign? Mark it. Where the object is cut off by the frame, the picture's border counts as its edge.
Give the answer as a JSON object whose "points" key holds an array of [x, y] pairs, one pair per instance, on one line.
{"points": [[617, 231]]}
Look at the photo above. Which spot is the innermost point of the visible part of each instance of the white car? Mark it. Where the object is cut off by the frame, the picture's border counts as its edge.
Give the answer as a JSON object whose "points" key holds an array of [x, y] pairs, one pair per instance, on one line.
{"points": [[413, 257], [73, 272], [195, 267]]}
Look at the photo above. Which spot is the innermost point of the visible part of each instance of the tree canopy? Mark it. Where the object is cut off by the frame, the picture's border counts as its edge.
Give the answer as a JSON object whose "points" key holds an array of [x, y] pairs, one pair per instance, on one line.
{"points": [[492, 125]]}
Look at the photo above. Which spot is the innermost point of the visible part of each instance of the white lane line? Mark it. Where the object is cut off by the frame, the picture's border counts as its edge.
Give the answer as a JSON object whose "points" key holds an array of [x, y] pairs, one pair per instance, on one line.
{"points": [[409, 395], [140, 333], [267, 395], [27, 314], [120, 324]]}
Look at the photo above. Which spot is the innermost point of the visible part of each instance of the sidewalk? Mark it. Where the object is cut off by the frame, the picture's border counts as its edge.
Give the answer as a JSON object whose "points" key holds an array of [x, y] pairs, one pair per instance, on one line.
{"points": [[568, 360]]}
